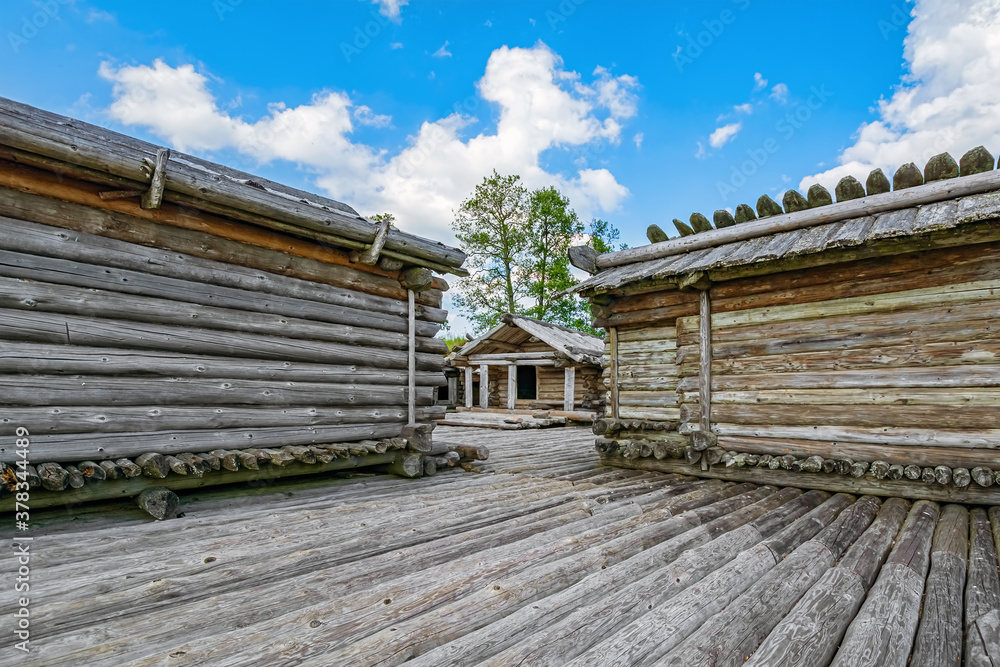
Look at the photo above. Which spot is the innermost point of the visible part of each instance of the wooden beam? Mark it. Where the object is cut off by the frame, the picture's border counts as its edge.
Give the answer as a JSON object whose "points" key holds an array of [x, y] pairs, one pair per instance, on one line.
{"points": [[370, 256], [158, 178], [569, 388], [705, 369], [468, 387], [411, 356], [511, 386], [509, 356], [452, 390], [484, 386], [613, 337], [855, 208]]}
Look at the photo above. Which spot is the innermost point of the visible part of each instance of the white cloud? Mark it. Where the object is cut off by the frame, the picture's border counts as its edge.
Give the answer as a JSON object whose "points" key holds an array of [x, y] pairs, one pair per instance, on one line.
{"points": [[488, 24], [743, 108], [616, 93], [638, 138], [366, 116], [724, 134], [390, 8], [99, 15], [949, 100], [779, 93], [395, 45], [759, 82], [701, 154], [442, 52], [539, 107]]}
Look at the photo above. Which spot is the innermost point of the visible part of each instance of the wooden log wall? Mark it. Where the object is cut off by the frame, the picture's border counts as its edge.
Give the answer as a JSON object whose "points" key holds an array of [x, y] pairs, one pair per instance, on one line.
{"points": [[124, 335], [886, 369]]}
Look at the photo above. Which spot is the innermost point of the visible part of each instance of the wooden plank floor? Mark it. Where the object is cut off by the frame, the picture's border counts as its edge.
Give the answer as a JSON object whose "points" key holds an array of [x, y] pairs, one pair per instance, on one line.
{"points": [[544, 559]]}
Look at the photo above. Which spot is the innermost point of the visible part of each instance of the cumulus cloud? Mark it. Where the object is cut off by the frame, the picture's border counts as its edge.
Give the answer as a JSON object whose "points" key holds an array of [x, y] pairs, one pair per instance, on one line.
{"points": [[442, 52], [759, 82], [947, 101], [538, 105], [390, 8], [724, 134], [779, 93], [746, 108], [638, 139]]}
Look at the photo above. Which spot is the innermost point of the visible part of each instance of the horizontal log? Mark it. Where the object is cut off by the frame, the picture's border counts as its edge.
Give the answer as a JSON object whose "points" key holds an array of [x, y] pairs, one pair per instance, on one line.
{"points": [[129, 487], [49, 390], [926, 194], [99, 446], [65, 329], [983, 438], [646, 332], [929, 417], [854, 397], [41, 359], [836, 483], [941, 377], [903, 454], [37, 131], [199, 284], [53, 298], [122, 419]]}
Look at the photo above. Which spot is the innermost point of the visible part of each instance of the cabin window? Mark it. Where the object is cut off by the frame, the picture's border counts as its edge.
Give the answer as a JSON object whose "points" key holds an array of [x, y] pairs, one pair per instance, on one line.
{"points": [[527, 383], [443, 394]]}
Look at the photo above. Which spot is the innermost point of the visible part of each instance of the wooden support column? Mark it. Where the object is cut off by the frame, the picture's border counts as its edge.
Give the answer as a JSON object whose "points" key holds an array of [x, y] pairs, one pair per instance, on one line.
{"points": [[569, 388], [705, 361], [484, 386], [468, 387], [452, 390], [613, 335], [511, 386], [411, 394]]}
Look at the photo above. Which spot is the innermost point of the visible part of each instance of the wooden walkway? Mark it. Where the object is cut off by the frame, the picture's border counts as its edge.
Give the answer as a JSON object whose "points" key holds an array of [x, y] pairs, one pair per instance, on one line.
{"points": [[548, 560]]}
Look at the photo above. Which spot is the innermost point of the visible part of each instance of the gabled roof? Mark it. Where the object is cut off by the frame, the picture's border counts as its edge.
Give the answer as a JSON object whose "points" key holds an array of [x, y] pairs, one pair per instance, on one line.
{"points": [[578, 346], [815, 226]]}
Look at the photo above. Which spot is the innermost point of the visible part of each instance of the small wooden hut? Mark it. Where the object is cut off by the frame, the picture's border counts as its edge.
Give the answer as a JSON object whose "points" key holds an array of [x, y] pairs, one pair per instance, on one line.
{"points": [[527, 364], [169, 320], [849, 346]]}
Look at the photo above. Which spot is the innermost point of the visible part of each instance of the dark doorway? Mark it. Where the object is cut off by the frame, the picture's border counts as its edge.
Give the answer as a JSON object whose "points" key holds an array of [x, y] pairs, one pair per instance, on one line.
{"points": [[475, 392], [527, 385]]}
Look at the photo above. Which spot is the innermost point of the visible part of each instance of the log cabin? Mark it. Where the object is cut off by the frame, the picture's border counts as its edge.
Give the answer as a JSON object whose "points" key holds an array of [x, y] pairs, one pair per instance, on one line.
{"points": [[171, 321], [527, 364], [848, 346]]}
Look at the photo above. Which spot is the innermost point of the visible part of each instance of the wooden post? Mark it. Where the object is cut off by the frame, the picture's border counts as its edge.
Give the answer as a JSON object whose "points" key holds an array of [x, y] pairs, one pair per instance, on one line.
{"points": [[484, 386], [468, 387], [158, 179], [705, 371], [569, 388], [411, 394], [452, 390], [613, 334], [511, 386]]}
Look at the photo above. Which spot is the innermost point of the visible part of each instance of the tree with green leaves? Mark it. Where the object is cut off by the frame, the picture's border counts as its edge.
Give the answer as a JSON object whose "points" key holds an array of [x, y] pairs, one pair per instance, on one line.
{"points": [[492, 229], [552, 227]]}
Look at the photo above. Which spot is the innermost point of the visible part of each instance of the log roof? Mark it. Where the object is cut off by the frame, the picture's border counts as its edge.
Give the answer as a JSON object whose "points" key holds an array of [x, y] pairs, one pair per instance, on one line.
{"points": [[548, 560], [937, 201], [516, 329], [133, 167]]}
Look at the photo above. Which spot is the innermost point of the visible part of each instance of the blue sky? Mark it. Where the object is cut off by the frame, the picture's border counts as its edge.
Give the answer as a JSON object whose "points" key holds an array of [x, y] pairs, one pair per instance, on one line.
{"points": [[639, 111]]}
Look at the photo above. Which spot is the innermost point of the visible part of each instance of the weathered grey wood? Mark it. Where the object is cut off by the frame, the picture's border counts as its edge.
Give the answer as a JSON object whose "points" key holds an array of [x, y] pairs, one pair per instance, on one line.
{"points": [[982, 592], [83, 446], [411, 361], [468, 387], [583, 258], [939, 637], [569, 388], [811, 632], [80, 330], [371, 254], [33, 227], [159, 502], [614, 368], [107, 390], [43, 133], [484, 387], [48, 297], [511, 386], [43, 359], [867, 206], [154, 195], [882, 632]]}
